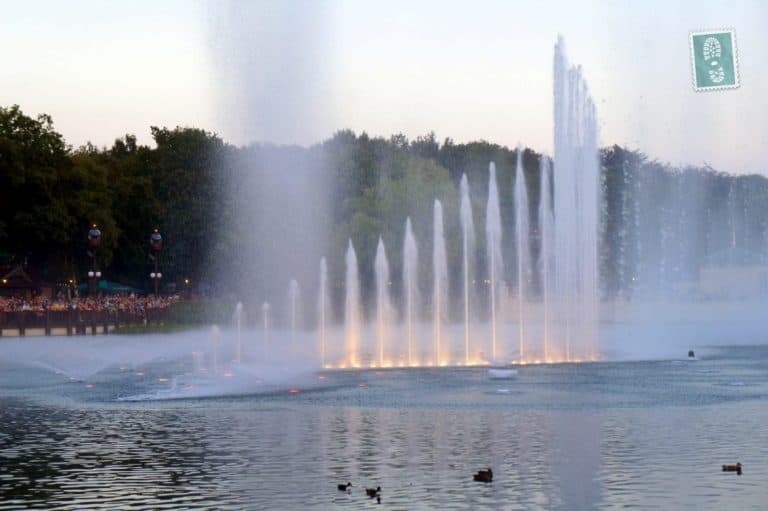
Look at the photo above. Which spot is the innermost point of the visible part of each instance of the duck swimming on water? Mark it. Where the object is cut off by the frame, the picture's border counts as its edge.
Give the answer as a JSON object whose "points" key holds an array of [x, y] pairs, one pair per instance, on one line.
{"points": [[484, 476], [345, 487], [733, 468], [373, 492]]}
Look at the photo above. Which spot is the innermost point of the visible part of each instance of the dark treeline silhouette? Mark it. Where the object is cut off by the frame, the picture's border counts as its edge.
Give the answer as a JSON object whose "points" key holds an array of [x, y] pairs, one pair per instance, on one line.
{"points": [[190, 185]]}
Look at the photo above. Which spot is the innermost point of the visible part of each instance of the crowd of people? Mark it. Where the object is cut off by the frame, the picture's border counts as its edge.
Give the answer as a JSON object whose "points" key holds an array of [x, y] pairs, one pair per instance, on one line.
{"points": [[130, 303]]}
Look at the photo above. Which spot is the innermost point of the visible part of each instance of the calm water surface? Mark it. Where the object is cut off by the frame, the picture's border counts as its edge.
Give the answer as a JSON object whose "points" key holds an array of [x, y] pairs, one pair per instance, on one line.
{"points": [[589, 436]]}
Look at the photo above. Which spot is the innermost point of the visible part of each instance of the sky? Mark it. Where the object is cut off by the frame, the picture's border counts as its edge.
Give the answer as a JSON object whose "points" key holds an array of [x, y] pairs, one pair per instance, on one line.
{"points": [[298, 71]]}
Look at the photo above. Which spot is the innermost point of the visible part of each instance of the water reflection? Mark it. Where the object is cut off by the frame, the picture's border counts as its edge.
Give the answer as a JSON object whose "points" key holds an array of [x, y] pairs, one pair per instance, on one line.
{"points": [[606, 436]]}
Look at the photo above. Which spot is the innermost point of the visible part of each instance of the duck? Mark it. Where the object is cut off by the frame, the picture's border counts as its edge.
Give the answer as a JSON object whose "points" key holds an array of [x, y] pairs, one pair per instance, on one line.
{"points": [[373, 492], [345, 487], [484, 476], [733, 468]]}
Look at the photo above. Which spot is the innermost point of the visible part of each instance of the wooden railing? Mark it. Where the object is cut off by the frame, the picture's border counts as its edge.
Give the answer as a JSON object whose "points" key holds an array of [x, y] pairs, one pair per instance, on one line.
{"points": [[74, 321]]}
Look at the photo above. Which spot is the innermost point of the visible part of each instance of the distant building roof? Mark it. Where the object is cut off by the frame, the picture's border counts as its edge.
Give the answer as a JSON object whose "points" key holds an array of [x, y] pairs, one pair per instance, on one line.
{"points": [[15, 277]]}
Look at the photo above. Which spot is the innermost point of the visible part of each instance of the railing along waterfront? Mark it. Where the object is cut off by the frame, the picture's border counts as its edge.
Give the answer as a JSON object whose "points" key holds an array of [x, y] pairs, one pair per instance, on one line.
{"points": [[74, 321]]}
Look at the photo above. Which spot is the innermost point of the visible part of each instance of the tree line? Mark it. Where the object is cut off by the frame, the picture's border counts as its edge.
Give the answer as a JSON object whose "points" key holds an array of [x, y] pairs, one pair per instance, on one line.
{"points": [[191, 182]]}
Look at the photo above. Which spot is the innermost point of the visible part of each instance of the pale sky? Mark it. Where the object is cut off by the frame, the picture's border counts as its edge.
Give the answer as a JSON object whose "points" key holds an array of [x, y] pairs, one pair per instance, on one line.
{"points": [[295, 72]]}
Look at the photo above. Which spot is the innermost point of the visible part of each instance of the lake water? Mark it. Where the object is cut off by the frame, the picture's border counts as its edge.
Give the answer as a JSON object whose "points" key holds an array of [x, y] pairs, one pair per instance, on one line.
{"points": [[643, 434]]}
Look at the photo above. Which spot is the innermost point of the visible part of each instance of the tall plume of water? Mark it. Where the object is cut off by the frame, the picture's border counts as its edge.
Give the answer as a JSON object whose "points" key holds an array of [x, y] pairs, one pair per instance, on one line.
{"points": [[275, 95], [238, 316], [323, 309], [293, 298], [410, 286], [439, 283], [522, 237], [576, 209], [493, 249], [352, 317], [383, 301], [546, 231], [468, 248]]}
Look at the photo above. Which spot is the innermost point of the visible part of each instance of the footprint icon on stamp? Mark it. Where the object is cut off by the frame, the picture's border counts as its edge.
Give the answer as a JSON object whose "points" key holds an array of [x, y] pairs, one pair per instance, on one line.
{"points": [[713, 58], [712, 52]]}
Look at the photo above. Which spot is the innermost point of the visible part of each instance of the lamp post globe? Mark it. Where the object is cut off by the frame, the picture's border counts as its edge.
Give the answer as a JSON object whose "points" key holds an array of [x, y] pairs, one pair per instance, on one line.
{"points": [[155, 246], [94, 240], [94, 237], [156, 241]]}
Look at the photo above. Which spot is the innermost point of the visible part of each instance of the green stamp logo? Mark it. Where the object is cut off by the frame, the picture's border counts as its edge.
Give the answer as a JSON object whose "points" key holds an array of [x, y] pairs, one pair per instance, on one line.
{"points": [[713, 55]]}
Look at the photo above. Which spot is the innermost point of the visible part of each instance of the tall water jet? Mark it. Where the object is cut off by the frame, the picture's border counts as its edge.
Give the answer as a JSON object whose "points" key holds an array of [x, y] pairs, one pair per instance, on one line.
{"points": [[265, 307], [546, 230], [522, 236], [468, 247], [293, 297], [238, 316], [439, 282], [493, 249], [410, 285], [323, 309], [352, 307], [383, 302], [576, 208]]}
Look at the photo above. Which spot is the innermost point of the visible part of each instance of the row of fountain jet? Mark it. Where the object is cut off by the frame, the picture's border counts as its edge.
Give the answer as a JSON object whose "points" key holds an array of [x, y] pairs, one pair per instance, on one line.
{"points": [[440, 350], [559, 325]]}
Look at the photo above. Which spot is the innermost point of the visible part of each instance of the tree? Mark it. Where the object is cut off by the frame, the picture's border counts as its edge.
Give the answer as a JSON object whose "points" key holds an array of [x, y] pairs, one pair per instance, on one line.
{"points": [[184, 172], [35, 224]]}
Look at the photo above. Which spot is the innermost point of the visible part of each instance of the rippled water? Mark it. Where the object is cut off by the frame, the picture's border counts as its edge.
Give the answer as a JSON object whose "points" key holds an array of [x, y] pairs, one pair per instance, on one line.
{"points": [[604, 435]]}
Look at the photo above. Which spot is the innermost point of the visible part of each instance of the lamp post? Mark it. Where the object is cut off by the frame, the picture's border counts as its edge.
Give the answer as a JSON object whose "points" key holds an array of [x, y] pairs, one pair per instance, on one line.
{"points": [[94, 240], [156, 245]]}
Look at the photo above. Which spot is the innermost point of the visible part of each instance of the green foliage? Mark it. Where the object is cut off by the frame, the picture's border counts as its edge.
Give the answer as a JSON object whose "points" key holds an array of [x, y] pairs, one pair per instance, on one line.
{"points": [[184, 173], [194, 187], [407, 186], [34, 216], [51, 196]]}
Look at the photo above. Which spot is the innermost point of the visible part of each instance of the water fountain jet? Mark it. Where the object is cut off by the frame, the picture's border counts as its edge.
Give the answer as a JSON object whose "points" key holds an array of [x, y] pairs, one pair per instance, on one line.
{"points": [[493, 249], [410, 285], [468, 242], [293, 297], [352, 307], [546, 228], [522, 236], [439, 282], [575, 176], [383, 302], [322, 306], [238, 316], [265, 307]]}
